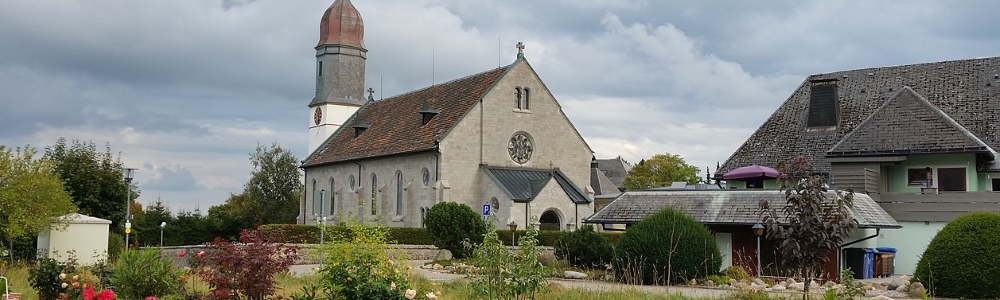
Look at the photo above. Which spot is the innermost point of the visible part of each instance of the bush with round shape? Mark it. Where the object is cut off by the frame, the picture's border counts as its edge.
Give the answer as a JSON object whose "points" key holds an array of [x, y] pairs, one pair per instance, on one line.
{"points": [[667, 236], [963, 259], [584, 248], [450, 223]]}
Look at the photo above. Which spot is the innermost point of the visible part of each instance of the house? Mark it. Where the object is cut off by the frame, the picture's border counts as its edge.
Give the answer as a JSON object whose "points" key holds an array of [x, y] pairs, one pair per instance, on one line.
{"points": [[616, 169], [730, 215], [496, 140], [919, 139]]}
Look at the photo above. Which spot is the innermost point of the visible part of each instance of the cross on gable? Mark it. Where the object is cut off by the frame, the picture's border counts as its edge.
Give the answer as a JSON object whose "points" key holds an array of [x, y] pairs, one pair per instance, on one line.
{"points": [[371, 92], [520, 48]]}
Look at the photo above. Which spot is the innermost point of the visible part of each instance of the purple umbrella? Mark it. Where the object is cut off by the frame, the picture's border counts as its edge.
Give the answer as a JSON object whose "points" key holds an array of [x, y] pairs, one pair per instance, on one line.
{"points": [[751, 171]]}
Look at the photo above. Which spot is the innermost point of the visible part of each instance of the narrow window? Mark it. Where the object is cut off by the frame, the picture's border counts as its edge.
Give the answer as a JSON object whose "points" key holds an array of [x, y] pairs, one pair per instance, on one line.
{"points": [[525, 106], [333, 198], [374, 194], [315, 202], [319, 69], [399, 193], [517, 97]]}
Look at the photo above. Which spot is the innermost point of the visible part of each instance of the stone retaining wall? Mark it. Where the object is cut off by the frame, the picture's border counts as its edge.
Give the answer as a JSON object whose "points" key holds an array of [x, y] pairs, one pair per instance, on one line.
{"points": [[310, 253]]}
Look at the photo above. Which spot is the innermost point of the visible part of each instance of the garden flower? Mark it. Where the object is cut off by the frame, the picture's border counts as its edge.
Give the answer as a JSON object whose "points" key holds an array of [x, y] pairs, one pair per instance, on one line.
{"points": [[88, 293], [150, 298], [64, 285], [76, 277], [200, 254], [431, 296], [182, 253], [62, 276], [106, 295], [75, 284], [410, 294], [392, 286]]}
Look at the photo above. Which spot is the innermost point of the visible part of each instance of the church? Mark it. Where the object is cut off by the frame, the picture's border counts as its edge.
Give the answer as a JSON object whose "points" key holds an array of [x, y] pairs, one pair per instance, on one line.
{"points": [[497, 141]]}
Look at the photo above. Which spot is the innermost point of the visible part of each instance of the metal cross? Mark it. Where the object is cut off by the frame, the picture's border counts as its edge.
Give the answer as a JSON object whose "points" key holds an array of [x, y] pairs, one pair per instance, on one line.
{"points": [[520, 47], [371, 92]]}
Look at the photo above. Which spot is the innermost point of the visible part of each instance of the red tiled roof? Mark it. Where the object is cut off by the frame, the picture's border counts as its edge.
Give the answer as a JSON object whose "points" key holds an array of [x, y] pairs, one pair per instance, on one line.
{"points": [[394, 124]]}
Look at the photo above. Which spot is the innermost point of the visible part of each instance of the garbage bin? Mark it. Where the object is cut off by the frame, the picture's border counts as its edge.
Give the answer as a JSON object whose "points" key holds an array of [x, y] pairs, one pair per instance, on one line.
{"points": [[860, 261], [885, 262]]}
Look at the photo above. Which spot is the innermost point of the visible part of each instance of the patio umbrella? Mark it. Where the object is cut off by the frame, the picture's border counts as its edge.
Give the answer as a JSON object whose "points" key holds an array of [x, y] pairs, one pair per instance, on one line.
{"points": [[751, 171]]}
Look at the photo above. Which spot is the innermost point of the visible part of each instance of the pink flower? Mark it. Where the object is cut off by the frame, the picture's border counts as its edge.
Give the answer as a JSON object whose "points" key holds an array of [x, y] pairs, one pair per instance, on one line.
{"points": [[106, 295], [88, 293], [76, 277], [150, 298], [410, 294], [62, 276], [200, 254], [182, 253], [75, 284], [64, 285]]}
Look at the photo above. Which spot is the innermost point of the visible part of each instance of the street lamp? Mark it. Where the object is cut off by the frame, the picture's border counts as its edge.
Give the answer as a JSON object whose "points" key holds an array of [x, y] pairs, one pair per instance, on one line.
{"points": [[128, 174], [758, 230], [162, 225], [513, 228]]}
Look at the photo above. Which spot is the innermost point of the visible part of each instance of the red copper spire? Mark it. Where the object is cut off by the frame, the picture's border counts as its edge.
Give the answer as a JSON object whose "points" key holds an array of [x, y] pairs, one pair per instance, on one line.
{"points": [[342, 25]]}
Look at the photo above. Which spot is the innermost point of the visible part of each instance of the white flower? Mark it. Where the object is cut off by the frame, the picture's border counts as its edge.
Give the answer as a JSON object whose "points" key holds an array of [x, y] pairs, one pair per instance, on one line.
{"points": [[62, 276], [392, 286], [431, 296], [410, 294], [64, 285]]}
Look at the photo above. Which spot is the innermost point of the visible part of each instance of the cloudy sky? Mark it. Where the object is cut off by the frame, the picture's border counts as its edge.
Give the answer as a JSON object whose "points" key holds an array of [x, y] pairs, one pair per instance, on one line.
{"points": [[186, 89]]}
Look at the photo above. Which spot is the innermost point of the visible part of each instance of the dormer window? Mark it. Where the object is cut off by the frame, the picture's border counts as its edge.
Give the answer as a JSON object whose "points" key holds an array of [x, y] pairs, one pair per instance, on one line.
{"points": [[359, 129], [823, 103], [426, 114]]}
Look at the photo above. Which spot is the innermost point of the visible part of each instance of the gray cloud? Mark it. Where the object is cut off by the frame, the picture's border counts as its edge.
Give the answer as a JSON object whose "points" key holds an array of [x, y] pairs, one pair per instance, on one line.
{"points": [[190, 87]]}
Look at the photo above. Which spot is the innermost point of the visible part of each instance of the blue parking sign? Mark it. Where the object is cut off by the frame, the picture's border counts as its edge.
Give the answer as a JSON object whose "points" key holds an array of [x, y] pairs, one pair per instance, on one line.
{"points": [[486, 210]]}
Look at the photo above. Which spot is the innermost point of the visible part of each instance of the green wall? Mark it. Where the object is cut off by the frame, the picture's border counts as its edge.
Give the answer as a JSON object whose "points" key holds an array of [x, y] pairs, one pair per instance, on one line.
{"points": [[898, 173]]}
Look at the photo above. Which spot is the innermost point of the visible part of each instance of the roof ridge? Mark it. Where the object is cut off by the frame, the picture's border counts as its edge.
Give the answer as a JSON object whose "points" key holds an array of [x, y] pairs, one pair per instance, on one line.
{"points": [[438, 85], [985, 58]]}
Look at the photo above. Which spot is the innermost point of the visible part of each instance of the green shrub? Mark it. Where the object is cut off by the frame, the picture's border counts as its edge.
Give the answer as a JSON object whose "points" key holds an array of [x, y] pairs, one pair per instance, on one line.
{"points": [[358, 267], [309, 234], [116, 243], [963, 259], [584, 248], [736, 273], [718, 279], [141, 273], [410, 236], [502, 275], [450, 223], [613, 237], [45, 277], [666, 247]]}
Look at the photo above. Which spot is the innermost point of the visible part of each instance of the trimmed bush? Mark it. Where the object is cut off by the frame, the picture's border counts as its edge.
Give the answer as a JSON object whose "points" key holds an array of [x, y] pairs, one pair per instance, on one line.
{"points": [[645, 250], [309, 234], [963, 259], [450, 223], [584, 248]]}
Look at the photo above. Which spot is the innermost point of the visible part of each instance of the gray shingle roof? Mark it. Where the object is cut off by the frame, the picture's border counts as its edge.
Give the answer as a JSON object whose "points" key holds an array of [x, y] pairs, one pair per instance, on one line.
{"points": [[615, 169], [523, 184], [721, 207], [967, 91], [908, 123], [601, 184]]}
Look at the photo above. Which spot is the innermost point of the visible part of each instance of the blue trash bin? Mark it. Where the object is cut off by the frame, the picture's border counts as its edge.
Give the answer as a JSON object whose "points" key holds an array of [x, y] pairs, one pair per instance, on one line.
{"points": [[860, 261]]}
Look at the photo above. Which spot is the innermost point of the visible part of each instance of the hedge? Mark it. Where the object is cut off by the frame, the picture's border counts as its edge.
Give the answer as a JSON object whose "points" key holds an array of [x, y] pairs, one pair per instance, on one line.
{"points": [[309, 234]]}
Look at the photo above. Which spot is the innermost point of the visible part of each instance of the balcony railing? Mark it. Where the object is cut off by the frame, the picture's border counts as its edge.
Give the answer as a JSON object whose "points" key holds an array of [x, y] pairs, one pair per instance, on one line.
{"points": [[937, 207]]}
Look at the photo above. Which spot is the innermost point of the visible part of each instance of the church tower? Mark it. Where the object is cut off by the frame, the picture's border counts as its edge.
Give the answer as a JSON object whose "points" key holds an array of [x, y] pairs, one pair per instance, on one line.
{"points": [[340, 71]]}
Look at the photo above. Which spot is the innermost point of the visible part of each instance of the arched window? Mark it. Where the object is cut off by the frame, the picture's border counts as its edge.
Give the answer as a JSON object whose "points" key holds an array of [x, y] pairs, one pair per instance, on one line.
{"points": [[315, 201], [525, 98], [517, 97], [496, 206], [399, 193], [374, 194], [333, 196]]}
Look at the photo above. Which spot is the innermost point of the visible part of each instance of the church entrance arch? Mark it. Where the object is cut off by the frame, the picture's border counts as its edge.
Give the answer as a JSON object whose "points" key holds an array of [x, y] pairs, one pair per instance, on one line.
{"points": [[549, 220]]}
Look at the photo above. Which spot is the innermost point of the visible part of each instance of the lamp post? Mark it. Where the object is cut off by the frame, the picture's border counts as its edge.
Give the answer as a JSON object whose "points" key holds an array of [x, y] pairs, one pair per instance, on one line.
{"points": [[128, 174], [322, 225], [162, 225], [758, 230], [513, 228]]}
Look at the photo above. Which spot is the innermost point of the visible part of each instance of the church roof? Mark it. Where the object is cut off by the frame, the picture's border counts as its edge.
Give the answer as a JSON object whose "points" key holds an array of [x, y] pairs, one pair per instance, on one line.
{"points": [[722, 207], [394, 125], [960, 98], [615, 169], [342, 25], [524, 184], [601, 184]]}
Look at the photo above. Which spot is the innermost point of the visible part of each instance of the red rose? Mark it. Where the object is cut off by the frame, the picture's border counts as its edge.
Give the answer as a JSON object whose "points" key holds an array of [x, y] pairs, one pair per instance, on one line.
{"points": [[182, 253]]}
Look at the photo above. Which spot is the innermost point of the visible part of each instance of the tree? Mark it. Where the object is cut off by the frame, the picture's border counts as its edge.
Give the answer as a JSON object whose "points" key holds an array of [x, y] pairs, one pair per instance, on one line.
{"points": [[147, 225], [812, 225], [274, 187], [31, 194], [229, 218], [660, 170], [93, 179]]}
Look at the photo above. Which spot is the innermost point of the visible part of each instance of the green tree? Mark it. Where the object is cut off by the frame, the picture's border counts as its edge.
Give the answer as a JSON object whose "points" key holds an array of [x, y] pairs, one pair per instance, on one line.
{"points": [[660, 170], [811, 225], [274, 187], [93, 179], [31, 194], [230, 217], [148, 226]]}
